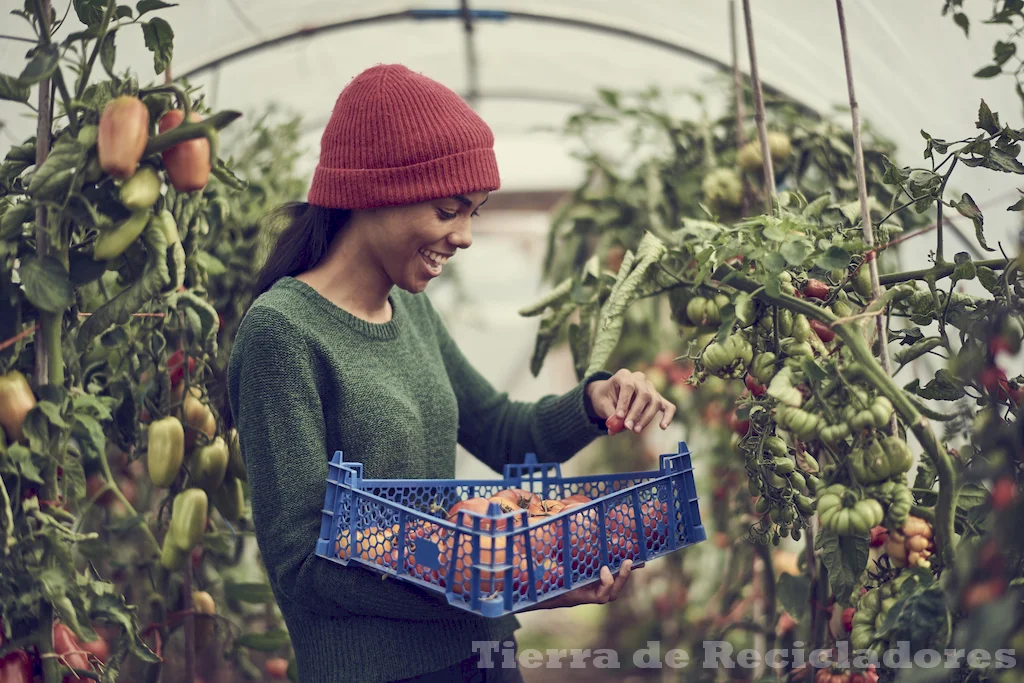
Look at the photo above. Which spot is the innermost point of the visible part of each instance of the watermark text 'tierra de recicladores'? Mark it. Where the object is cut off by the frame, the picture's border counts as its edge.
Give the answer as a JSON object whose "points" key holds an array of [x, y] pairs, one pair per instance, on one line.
{"points": [[717, 654]]}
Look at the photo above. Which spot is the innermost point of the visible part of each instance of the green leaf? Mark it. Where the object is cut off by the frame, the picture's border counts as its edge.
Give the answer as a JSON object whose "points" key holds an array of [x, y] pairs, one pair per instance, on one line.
{"points": [[989, 71], [1017, 206], [13, 89], [987, 121], [794, 594], [74, 477], [26, 462], [144, 6], [91, 438], [967, 208], [834, 258], [123, 12], [846, 558], [795, 252], [46, 284], [254, 593], [90, 12], [963, 22], [1002, 52], [108, 52], [945, 387], [965, 269], [160, 41], [84, 268], [774, 262], [42, 66], [265, 642], [210, 263], [1000, 160], [971, 496]]}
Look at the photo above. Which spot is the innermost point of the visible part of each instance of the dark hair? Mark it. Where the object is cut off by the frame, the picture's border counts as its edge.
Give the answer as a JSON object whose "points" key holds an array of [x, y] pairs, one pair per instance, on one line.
{"points": [[298, 235], [301, 244]]}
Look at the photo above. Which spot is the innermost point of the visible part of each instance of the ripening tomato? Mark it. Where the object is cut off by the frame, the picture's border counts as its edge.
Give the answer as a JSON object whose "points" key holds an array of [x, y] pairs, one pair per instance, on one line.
{"points": [[277, 668], [65, 643], [187, 163]]}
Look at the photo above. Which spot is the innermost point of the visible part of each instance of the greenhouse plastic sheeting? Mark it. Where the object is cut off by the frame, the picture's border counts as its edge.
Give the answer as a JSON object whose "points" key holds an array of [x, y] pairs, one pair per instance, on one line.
{"points": [[913, 67]]}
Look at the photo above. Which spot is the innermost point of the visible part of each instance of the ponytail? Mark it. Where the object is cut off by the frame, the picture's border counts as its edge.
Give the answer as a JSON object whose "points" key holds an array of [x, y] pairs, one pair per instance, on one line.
{"points": [[302, 244]]}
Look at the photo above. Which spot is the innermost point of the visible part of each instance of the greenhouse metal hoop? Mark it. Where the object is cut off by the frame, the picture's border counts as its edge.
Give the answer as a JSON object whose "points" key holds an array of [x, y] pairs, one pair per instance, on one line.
{"points": [[467, 16]]}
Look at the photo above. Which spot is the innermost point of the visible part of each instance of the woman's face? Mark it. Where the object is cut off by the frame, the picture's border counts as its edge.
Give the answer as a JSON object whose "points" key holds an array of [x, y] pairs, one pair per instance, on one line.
{"points": [[412, 243]]}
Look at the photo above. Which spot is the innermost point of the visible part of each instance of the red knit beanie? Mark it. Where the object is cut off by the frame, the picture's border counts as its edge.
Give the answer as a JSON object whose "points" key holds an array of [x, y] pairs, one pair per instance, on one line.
{"points": [[397, 137]]}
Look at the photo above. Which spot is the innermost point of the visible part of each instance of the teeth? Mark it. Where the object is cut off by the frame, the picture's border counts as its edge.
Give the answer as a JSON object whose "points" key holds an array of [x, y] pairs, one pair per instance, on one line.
{"points": [[434, 257]]}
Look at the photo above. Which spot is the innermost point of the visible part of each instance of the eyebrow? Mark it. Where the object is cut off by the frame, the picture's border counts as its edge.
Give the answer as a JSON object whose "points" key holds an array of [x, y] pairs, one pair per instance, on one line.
{"points": [[464, 200]]}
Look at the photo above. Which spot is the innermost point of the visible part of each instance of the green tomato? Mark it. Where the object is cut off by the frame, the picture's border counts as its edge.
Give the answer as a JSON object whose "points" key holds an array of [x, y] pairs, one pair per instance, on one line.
{"points": [[776, 446], [801, 328]]}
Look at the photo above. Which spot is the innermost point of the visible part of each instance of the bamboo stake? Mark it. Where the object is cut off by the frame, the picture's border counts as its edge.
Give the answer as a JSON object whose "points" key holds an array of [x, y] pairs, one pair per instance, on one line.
{"points": [[862, 190], [762, 131]]}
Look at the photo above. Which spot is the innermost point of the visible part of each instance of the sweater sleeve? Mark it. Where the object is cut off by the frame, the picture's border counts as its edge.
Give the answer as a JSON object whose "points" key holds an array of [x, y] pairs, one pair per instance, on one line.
{"points": [[278, 412], [498, 431]]}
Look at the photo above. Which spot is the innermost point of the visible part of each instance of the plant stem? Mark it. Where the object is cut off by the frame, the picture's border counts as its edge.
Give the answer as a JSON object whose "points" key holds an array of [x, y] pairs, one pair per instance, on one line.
{"points": [[884, 384], [938, 218], [762, 131], [111, 483], [83, 80], [862, 191], [190, 624], [188, 130], [184, 103], [51, 665], [939, 271]]}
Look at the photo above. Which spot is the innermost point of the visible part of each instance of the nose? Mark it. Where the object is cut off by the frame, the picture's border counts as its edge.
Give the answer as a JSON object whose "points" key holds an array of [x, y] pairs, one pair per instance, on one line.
{"points": [[462, 236]]}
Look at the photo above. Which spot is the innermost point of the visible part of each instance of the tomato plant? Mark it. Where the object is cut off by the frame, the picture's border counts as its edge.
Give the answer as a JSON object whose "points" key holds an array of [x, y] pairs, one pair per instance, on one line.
{"points": [[115, 459], [787, 301]]}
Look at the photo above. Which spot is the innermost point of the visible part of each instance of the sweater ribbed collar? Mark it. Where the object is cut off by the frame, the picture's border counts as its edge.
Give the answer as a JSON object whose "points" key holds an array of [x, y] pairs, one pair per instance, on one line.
{"points": [[384, 331]]}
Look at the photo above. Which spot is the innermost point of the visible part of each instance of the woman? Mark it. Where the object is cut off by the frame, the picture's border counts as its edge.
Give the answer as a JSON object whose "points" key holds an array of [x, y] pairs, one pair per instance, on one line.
{"points": [[339, 352]]}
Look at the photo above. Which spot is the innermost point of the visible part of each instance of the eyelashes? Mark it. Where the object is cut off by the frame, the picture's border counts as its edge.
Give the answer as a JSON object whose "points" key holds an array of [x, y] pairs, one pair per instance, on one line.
{"points": [[449, 216]]}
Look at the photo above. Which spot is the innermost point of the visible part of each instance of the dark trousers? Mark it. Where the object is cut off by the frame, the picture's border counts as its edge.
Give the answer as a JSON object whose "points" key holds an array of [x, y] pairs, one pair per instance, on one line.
{"points": [[470, 671]]}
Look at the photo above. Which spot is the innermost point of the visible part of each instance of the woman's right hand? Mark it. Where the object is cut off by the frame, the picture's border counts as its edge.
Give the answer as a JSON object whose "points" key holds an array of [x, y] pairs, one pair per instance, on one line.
{"points": [[601, 592]]}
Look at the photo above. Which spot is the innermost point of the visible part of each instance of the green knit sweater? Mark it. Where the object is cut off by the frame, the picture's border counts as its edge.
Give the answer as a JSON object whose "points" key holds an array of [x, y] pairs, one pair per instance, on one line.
{"points": [[307, 378]]}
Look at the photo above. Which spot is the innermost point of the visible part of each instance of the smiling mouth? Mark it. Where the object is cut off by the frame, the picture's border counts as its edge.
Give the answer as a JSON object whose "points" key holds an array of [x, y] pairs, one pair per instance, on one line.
{"points": [[435, 261]]}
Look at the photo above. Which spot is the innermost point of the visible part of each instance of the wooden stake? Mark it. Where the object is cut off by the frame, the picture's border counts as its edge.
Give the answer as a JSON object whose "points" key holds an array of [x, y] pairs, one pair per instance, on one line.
{"points": [[43, 130], [737, 82], [762, 131], [862, 189]]}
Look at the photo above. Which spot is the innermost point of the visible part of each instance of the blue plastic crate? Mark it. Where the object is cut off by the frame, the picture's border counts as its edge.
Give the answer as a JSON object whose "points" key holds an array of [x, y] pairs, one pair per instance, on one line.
{"points": [[498, 563]]}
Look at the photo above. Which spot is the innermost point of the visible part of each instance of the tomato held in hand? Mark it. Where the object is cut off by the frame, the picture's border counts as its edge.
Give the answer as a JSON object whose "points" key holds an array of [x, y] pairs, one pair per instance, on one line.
{"points": [[615, 424]]}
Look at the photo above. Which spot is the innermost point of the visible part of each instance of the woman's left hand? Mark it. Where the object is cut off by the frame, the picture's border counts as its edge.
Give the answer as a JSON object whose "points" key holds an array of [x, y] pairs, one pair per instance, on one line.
{"points": [[632, 398]]}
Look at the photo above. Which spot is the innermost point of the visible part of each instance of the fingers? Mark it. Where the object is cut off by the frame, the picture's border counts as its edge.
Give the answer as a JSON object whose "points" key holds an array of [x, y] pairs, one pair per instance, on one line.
{"points": [[656, 405], [669, 412], [604, 588], [622, 382], [620, 580], [643, 391]]}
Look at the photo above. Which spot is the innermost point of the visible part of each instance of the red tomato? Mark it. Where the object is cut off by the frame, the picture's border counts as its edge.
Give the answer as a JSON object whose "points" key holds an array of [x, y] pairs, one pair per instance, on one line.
{"points": [[1004, 492], [16, 667], [824, 332], [615, 424], [756, 388], [816, 289]]}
